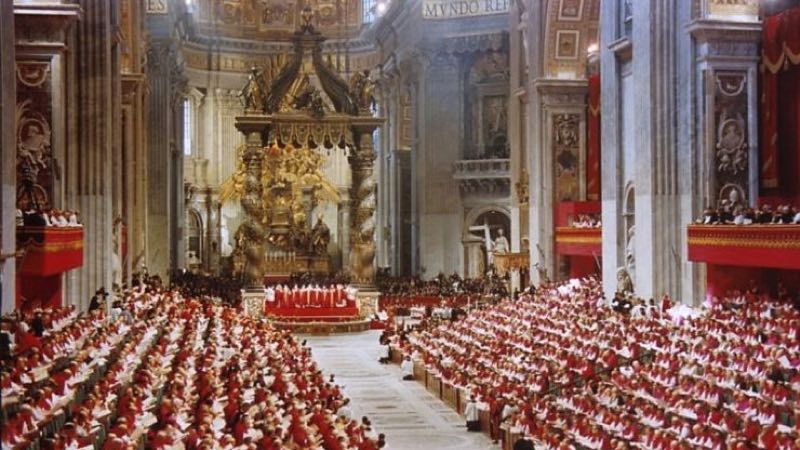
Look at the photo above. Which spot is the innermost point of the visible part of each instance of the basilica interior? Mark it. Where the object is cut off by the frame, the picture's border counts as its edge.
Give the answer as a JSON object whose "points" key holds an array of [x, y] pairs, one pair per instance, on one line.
{"points": [[400, 224]]}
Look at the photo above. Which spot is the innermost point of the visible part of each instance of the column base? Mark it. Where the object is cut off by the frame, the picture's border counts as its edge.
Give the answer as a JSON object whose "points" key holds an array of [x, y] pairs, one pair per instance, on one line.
{"points": [[253, 302]]}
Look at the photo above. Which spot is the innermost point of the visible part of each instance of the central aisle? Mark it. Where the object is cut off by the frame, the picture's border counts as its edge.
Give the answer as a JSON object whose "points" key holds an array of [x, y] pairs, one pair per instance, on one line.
{"points": [[411, 417]]}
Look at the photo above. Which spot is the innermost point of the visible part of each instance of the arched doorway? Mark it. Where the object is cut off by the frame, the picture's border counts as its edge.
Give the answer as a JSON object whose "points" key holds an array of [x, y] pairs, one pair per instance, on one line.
{"points": [[483, 229], [194, 239]]}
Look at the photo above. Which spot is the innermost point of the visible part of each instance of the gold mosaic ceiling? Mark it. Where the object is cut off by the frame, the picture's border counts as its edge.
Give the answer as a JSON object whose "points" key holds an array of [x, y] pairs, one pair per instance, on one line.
{"points": [[275, 19]]}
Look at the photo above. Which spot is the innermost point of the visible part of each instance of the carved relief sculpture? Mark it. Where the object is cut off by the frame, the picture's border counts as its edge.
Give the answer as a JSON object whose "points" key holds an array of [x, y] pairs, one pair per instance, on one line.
{"points": [[34, 153], [731, 146], [521, 187], [567, 158], [730, 132]]}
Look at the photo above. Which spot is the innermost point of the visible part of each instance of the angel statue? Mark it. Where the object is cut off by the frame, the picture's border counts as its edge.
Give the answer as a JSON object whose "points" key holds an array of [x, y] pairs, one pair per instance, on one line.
{"points": [[253, 93], [362, 89]]}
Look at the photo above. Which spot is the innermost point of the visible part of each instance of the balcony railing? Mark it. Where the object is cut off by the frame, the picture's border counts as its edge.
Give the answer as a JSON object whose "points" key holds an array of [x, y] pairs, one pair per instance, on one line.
{"points": [[482, 168], [775, 246]]}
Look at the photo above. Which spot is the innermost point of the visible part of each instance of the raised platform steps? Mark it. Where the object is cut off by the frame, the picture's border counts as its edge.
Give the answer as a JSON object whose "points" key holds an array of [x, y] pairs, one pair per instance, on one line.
{"points": [[322, 327]]}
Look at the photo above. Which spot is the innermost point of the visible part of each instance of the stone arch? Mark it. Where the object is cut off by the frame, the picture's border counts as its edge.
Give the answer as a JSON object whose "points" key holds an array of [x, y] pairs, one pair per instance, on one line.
{"points": [[476, 253], [473, 214]]}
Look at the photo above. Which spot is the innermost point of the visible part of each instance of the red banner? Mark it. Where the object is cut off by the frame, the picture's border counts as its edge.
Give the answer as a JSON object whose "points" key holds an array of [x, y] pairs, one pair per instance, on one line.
{"points": [[593, 140], [780, 99], [50, 250]]}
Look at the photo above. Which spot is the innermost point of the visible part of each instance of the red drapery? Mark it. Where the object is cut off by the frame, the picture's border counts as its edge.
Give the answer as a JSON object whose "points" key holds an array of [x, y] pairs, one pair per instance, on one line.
{"points": [[593, 141], [780, 105]]}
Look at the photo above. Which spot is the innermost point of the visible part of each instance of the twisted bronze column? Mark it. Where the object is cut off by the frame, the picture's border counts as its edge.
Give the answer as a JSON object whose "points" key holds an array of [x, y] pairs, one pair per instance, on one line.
{"points": [[363, 202], [253, 225]]}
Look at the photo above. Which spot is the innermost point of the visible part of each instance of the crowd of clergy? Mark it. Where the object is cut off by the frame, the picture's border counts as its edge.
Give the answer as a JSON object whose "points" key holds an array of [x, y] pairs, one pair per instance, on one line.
{"points": [[311, 296], [560, 367], [443, 291], [171, 372]]}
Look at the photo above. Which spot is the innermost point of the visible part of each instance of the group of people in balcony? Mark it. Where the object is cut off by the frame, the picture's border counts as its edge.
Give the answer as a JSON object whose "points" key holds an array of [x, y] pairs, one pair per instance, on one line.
{"points": [[48, 218], [587, 221], [742, 215]]}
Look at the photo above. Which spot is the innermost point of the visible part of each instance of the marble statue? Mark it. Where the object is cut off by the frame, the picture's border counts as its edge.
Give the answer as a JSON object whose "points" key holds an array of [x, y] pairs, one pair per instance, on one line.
{"points": [[362, 88], [624, 281], [253, 94], [320, 237], [630, 254], [501, 244]]}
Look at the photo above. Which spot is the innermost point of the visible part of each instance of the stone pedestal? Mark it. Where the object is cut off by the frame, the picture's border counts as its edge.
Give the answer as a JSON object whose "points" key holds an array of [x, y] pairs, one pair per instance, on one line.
{"points": [[253, 302], [367, 301]]}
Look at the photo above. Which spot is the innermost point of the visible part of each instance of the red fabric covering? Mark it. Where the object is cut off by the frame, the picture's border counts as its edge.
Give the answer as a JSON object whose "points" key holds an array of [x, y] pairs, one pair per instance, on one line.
{"points": [[299, 313], [50, 250], [593, 140], [780, 105], [582, 266], [723, 279], [775, 246], [38, 292], [579, 241]]}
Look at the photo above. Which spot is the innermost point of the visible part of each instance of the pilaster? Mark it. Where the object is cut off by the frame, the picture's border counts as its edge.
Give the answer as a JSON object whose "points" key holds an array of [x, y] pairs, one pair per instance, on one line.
{"points": [[8, 188], [165, 214], [562, 124]]}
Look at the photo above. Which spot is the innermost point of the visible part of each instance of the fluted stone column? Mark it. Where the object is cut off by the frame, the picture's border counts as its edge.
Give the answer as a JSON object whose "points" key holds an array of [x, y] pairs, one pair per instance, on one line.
{"points": [[93, 128], [362, 237], [165, 214], [8, 189]]}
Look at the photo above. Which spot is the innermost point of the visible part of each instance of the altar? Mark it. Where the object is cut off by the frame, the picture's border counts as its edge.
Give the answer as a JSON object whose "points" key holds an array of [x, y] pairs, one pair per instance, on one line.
{"points": [[307, 132]]}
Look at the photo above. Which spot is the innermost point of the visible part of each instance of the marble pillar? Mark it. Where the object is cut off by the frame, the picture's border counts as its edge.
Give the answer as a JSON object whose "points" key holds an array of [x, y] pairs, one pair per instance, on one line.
{"points": [[94, 133], [165, 208], [531, 25], [8, 186], [440, 143], [722, 125], [615, 55]]}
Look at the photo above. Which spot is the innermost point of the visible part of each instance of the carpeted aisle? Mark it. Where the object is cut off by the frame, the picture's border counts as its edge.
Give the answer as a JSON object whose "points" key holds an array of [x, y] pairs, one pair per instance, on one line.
{"points": [[410, 416]]}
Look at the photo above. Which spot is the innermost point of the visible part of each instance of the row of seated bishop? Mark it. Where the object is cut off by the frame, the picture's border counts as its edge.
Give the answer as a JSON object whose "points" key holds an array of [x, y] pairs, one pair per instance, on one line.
{"points": [[170, 372], [564, 370]]}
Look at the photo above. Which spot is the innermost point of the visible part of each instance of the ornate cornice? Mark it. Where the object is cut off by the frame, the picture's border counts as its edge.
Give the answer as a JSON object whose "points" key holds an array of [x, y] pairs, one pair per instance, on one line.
{"points": [[560, 92], [44, 25]]}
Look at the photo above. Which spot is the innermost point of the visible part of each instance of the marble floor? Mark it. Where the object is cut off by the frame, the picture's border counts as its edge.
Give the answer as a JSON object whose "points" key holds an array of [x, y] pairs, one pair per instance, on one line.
{"points": [[411, 417]]}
